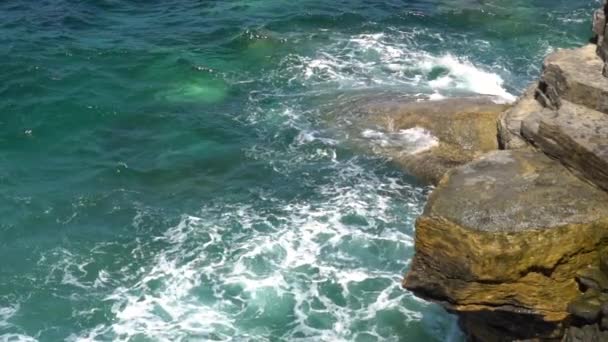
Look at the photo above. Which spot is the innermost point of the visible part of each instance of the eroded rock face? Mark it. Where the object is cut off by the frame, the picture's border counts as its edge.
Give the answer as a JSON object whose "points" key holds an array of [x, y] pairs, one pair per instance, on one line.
{"points": [[599, 30], [574, 76], [589, 310], [442, 134], [501, 240], [576, 135], [509, 123], [515, 242], [599, 25]]}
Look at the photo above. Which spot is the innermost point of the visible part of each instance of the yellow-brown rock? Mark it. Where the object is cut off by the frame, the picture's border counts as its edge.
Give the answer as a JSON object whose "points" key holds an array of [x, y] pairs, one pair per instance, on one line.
{"points": [[461, 129], [510, 121], [501, 240]]}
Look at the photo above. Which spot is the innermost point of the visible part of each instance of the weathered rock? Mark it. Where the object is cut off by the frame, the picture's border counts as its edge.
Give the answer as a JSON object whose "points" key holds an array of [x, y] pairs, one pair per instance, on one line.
{"points": [[504, 236], [605, 309], [604, 323], [575, 76], [587, 333], [586, 307], [604, 262], [602, 43], [497, 326], [509, 123], [592, 277], [576, 135], [599, 25], [602, 51], [599, 16], [461, 129]]}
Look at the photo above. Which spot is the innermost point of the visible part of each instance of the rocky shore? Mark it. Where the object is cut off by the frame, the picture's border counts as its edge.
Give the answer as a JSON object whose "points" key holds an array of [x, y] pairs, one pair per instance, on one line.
{"points": [[514, 238]]}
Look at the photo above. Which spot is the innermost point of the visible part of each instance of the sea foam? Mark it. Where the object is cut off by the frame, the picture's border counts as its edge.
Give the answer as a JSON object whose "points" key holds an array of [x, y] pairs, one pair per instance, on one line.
{"points": [[412, 140], [232, 271], [377, 60]]}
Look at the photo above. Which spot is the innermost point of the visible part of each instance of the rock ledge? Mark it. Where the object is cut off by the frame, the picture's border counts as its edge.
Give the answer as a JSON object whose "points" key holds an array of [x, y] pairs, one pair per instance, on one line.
{"points": [[516, 241]]}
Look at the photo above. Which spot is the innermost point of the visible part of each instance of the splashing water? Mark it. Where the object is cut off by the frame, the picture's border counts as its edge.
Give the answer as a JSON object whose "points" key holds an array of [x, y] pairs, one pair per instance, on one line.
{"points": [[169, 173]]}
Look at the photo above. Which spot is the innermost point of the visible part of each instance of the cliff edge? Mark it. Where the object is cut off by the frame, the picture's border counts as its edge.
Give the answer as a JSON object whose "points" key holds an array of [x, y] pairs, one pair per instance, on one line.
{"points": [[515, 242]]}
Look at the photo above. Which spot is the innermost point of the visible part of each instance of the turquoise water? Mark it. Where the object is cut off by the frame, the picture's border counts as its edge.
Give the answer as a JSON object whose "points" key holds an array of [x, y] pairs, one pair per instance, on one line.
{"points": [[167, 172]]}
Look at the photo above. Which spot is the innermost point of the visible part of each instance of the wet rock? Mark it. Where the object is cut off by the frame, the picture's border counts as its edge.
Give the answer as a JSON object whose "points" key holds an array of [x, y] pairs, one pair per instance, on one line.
{"points": [[576, 135], [504, 236], [427, 138], [575, 76]]}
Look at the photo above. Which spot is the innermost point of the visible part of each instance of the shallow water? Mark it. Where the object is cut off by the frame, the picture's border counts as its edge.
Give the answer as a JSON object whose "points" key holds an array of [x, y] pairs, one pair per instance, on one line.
{"points": [[167, 171]]}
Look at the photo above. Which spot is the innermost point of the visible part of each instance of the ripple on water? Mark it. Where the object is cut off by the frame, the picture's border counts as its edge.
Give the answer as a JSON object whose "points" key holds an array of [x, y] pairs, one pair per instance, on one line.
{"points": [[255, 221]]}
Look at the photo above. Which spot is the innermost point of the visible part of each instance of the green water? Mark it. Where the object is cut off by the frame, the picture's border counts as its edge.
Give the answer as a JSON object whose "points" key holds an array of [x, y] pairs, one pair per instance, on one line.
{"points": [[167, 174]]}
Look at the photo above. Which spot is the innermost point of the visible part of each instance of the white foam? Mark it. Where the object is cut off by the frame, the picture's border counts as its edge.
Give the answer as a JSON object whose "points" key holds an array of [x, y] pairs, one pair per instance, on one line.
{"points": [[370, 60], [294, 247], [412, 140], [436, 96], [17, 338], [6, 313], [464, 75], [230, 263]]}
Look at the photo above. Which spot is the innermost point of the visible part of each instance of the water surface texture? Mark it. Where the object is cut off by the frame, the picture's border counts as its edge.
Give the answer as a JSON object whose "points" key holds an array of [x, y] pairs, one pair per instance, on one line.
{"points": [[167, 173]]}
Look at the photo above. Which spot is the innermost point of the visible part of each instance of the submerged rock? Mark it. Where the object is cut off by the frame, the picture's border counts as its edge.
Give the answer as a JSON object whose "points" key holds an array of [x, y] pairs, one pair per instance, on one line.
{"points": [[501, 240], [428, 138], [206, 91]]}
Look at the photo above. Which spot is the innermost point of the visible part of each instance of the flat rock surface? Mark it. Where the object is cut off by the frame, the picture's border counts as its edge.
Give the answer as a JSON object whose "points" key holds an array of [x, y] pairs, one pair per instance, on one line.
{"points": [[510, 191], [575, 75], [576, 135], [426, 138]]}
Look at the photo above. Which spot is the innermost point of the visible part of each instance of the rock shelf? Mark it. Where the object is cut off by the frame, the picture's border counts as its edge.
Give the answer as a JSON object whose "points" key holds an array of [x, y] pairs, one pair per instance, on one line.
{"points": [[515, 242]]}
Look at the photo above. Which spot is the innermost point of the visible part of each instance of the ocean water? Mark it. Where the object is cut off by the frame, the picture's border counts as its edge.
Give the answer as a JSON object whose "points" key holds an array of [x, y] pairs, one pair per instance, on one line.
{"points": [[167, 172]]}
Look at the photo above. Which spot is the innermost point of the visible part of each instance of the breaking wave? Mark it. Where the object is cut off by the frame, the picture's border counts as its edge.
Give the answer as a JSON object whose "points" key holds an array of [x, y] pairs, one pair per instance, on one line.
{"points": [[381, 60]]}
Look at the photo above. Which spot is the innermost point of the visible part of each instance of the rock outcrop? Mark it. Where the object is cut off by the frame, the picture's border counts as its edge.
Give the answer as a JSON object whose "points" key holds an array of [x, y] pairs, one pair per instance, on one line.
{"points": [[515, 242], [590, 309], [509, 124], [503, 235], [601, 37], [575, 76], [576, 135]]}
